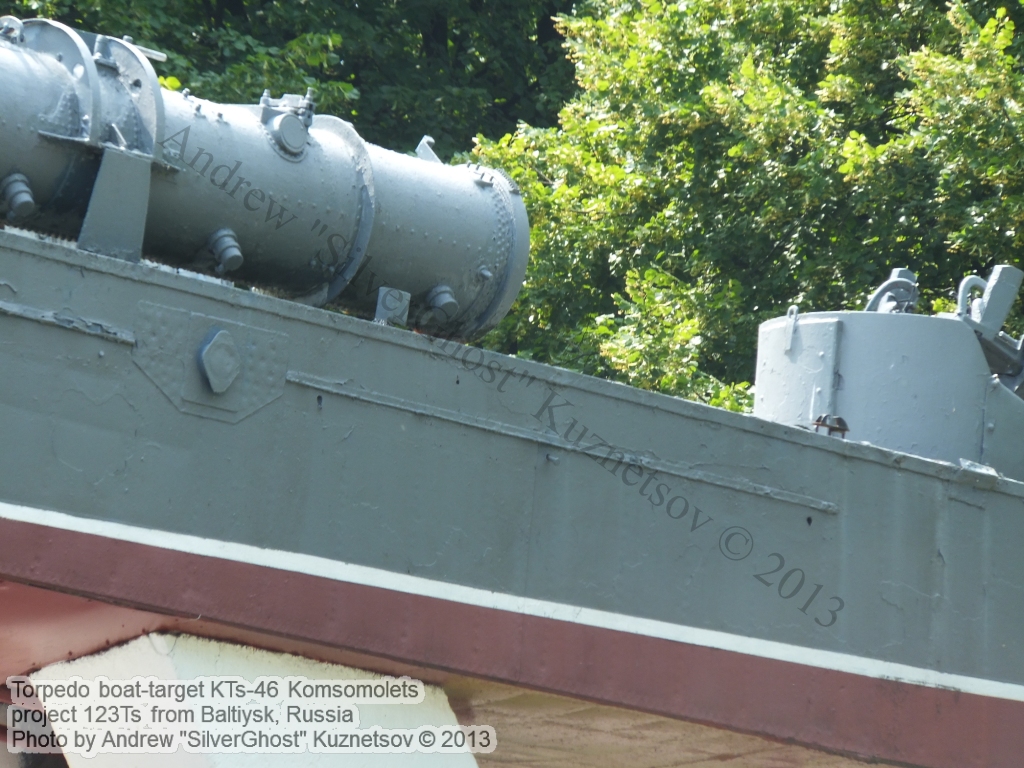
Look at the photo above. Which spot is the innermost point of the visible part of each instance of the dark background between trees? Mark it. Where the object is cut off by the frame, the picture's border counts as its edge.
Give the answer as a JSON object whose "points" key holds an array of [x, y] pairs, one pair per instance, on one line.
{"points": [[691, 171], [398, 69]]}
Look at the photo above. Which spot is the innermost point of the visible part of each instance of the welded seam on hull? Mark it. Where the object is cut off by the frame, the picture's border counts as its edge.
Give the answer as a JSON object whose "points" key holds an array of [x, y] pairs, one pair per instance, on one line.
{"points": [[417, 585], [69, 322], [683, 472]]}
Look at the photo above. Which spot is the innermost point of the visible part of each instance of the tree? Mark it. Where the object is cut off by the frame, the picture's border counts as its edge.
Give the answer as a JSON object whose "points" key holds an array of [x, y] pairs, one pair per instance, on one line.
{"points": [[720, 160], [735, 158], [397, 69]]}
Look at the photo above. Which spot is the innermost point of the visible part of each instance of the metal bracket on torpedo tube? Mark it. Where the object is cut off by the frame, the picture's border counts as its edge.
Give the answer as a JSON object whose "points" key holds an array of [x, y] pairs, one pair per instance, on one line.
{"points": [[86, 114], [272, 194]]}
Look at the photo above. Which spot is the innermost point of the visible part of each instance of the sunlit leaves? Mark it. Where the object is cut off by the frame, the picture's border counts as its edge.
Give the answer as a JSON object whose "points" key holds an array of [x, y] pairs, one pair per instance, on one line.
{"points": [[760, 155], [654, 341]]}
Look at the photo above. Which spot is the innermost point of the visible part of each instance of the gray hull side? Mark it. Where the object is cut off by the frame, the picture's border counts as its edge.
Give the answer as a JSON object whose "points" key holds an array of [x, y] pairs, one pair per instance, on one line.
{"points": [[374, 446]]}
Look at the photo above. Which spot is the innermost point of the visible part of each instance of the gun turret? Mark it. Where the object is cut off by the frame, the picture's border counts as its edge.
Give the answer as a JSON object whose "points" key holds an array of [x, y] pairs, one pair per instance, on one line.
{"points": [[93, 149], [947, 387]]}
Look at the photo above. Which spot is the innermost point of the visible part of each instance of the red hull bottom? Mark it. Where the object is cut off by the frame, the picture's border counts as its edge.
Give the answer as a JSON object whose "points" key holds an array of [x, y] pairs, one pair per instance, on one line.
{"points": [[47, 616]]}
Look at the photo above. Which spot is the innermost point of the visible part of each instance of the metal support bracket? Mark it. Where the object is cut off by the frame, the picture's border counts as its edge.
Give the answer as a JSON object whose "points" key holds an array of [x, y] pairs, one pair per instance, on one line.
{"points": [[115, 223]]}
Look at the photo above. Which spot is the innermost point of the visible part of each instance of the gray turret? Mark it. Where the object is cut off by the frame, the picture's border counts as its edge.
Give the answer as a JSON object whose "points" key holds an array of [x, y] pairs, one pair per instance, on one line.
{"points": [[943, 387]]}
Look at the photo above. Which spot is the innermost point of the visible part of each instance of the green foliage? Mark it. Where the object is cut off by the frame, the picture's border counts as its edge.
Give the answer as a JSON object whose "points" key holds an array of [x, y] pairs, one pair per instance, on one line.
{"points": [[450, 68], [720, 159], [654, 340], [760, 155], [964, 120]]}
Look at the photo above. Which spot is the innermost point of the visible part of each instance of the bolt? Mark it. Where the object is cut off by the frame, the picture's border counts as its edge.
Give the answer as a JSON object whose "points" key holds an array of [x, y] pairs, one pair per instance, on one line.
{"points": [[223, 244], [219, 361], [17, 196]]}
